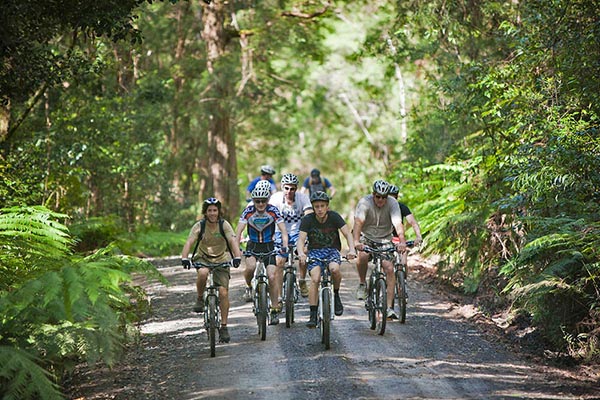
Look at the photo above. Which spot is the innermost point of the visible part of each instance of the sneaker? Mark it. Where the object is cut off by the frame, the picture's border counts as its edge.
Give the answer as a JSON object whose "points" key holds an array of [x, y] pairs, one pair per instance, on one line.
{"points": [[199, 306], [274, 317], [391, 314], [224, 335], [303, 288], [312, 322], [361, 292], [248, 295], [339, 307]]}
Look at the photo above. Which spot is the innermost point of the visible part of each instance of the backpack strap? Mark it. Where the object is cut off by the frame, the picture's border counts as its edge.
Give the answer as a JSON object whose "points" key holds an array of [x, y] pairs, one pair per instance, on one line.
{"points": [[200, 236], [225, 237]]}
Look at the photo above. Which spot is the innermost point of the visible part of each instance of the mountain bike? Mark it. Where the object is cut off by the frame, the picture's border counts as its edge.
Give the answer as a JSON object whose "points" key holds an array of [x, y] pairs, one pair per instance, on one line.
{"points": [[325, 313], [400, 294], [260, 289], [212, 310], [376, 302], [290, 287]]}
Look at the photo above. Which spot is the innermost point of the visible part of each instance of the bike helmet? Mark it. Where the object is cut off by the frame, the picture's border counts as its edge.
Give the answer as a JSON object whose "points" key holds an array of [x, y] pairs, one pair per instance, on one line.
{"points": [[381, 187], [394, 190], [267, 169], [289, 179], [319, 196], [210, 201], [261, 191], [263, 183]]}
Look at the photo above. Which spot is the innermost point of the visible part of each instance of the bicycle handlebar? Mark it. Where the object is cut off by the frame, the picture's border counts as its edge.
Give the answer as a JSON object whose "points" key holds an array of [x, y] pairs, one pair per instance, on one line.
{"points": [[262, 256]]}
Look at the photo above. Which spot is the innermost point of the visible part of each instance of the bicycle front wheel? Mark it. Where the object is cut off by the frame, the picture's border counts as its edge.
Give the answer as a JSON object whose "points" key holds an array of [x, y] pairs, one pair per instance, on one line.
{"points": [[326, 318], [401, 293], [380, 306], [261, 315], [289, 299], [212, 323], [371, 304]]}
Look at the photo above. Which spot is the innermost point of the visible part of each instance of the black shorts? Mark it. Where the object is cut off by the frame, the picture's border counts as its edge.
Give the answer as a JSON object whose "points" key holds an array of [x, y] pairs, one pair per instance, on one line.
{"points": [[263, 248]]}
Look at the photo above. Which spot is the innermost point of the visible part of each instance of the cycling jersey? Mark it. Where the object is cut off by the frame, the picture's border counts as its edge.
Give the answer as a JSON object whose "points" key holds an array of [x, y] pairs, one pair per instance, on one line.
{"points": [[321, 185], [261, 226], [292, 214]]}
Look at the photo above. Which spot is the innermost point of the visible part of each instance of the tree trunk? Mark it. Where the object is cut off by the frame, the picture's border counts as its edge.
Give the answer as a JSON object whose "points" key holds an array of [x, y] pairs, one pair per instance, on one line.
{"points": [[222, 163]]}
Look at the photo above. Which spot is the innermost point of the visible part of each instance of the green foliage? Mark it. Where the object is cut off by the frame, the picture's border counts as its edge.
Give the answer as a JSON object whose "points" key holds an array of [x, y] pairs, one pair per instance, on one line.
{"points": [[95, 233], [66, 308], [155, 244]]}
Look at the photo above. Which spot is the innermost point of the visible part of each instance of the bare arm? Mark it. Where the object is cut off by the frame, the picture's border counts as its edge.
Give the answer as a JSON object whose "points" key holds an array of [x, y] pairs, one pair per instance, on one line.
{"points": [[238, 232], [358, 224], [331, 191], [415, 225], [300, 245], [348, 235], [284, 234], [185, 253]]}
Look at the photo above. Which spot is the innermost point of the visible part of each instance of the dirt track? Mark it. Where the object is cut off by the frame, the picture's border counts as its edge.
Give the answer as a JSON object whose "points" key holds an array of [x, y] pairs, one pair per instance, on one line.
{"points": [[437, 354]]}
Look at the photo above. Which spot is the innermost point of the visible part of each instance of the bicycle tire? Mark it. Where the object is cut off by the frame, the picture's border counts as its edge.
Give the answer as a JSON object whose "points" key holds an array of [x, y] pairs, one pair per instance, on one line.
{"points": [[289, 299], [212, 324], [381, 305], [401, 292], [371, 305], [326, 321], [261, 316]]}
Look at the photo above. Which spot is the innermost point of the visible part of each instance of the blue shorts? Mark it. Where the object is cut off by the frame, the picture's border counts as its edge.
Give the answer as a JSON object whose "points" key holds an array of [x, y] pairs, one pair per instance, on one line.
{"points": [[329, 254], [292, 240]]}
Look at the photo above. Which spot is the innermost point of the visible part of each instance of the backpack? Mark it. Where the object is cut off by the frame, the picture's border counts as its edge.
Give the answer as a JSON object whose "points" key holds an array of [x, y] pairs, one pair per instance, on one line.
{"points": [[201, 235]]}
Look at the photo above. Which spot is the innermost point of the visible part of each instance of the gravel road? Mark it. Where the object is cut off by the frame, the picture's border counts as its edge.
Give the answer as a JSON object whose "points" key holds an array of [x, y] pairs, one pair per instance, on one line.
{"points": [[437, 354]]}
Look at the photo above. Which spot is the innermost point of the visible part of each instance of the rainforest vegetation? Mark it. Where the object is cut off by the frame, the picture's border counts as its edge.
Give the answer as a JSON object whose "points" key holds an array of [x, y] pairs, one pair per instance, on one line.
{"points": [[118, 118]]}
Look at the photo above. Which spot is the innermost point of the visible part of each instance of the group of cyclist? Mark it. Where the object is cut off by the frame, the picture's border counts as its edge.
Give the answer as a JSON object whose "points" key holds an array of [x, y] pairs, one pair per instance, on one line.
{"points": [[290, 217]]}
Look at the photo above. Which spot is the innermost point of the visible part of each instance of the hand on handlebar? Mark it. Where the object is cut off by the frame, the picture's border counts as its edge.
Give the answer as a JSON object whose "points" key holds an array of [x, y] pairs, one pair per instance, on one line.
{"points": [[236, 262], [401, 247], [302, 257], [359, 246], [283, 250], [187, 264], [351, 256]]}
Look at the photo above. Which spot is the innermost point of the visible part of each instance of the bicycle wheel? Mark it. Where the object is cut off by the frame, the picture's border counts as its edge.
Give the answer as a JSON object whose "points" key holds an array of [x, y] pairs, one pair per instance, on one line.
{"points": [[289, 299], [371, 305], [401, 293], [212, 323], [261, 316], [380, 305], [326, 321]]}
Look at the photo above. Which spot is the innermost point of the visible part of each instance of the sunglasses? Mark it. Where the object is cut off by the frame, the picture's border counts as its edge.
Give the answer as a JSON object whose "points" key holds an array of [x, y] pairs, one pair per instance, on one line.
{"points": [[378, 196], [290, 188], [259, 201]]}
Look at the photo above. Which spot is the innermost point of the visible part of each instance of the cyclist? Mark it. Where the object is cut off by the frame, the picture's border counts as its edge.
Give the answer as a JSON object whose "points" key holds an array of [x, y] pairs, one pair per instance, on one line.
{"points": [[314, 183], [410, 218], [213, 247], [375, 218], [260, 219], [292, 206], [266, 174], [321, 230]]}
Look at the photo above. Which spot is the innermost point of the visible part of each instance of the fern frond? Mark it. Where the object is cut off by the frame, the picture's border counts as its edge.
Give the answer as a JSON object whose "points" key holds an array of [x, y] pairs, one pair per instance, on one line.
{"points": [[21, 377]]}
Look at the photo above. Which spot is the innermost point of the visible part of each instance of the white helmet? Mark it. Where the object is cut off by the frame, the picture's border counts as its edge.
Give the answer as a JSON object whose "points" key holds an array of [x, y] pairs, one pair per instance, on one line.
{"points": [[267, 169], [261, 191], [394, 189], [289, 179], [381, 187]]}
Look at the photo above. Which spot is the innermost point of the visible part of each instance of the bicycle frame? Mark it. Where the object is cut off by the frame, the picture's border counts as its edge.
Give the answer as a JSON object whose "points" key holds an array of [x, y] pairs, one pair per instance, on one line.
{"points": [[212, 305], [289, 274], [376, 302], [325, 313], [260, 287]]}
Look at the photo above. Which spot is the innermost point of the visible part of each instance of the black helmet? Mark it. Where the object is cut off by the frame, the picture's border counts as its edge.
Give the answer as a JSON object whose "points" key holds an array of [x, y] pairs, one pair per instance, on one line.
{"points": [[210, 201], [319, 196], [394, 190]]}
